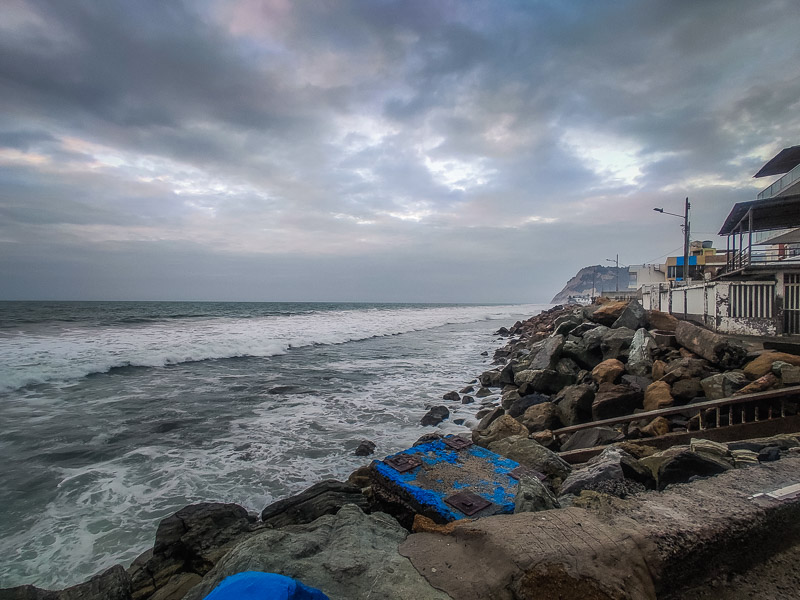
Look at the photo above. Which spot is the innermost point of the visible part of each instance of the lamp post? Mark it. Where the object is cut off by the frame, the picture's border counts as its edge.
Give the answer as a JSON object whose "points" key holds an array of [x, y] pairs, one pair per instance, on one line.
{"points": [[685, 218]]}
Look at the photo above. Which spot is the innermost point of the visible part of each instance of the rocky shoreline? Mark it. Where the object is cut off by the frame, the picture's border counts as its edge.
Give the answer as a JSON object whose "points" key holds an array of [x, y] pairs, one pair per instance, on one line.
{"points": [[564, 368]]}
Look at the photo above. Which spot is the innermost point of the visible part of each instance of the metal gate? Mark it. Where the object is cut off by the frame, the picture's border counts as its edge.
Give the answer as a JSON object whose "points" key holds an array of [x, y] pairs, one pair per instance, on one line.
{"points": [[791, 303]]}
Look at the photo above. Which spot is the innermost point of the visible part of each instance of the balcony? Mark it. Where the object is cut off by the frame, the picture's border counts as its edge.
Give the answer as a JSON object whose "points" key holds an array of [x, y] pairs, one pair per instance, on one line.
{"points": [[781, 184]]}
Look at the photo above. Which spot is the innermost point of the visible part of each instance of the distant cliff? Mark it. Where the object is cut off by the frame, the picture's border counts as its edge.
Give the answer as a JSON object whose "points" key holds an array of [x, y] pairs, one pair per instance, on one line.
{"points": [[602, 279]]}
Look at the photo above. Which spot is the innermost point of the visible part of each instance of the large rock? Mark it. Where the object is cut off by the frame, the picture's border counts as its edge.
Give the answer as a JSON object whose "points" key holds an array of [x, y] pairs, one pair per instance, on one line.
{"points": [[616, 342], [613, 464], [112, 584], [615, 401], [608, 371], [658, 395], [608, 313], [349, 555], [686, 390], [546, 381], [434, 416], [633, 317], [723, 385], [655, 428], [190, 541], [762, 384], [640, 354], [720, 350], [591, 437], [545, 354], [323, 498], [661, 320], [540, 417], [503, 427], [574, 404], [533, 496], [762, 365], [686, 368], [578, 350], [522, 404], [687, 464], [533, 455]]}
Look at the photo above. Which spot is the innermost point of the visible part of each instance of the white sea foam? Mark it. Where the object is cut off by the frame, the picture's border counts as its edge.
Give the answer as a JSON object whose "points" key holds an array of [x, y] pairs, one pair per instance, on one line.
{"points": [[63, 355]]}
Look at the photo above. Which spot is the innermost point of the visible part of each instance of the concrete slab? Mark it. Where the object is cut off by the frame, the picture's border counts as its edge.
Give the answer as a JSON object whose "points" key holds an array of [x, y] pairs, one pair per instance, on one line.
{"points": [[424, 479]]}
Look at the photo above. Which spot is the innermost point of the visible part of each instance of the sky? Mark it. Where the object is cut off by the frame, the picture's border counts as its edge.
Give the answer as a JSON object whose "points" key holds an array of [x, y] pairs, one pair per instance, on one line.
{"points": [[375, 150]]}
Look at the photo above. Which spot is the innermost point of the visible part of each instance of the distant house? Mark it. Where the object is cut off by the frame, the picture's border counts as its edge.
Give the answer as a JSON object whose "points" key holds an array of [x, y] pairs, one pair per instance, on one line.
{"points": [[757, 288]]}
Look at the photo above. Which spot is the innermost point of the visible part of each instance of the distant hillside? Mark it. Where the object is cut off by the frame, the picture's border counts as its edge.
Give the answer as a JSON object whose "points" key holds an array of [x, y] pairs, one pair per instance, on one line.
{"points": [[604, 278]]}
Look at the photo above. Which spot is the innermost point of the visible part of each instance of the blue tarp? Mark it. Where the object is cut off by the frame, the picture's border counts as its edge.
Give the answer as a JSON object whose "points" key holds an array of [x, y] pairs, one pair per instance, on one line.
{"points": [[253, 585]]}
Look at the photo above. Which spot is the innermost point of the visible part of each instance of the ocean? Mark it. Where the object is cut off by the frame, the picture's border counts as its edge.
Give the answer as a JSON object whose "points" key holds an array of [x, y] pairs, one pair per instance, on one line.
{"points": [[117, 414]]}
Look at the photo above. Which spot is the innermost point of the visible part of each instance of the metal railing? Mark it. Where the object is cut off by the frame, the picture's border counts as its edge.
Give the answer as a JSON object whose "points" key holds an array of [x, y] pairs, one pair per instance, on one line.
{"points": [[782, 183], [757, 256]]}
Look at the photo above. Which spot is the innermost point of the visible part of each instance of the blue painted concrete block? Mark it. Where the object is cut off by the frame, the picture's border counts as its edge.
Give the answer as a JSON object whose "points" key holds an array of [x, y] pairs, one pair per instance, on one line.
{"points": [[443, 472]]}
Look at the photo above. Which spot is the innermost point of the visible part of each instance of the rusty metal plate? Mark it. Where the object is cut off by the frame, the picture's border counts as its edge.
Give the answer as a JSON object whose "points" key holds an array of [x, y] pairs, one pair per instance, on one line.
{"points": [[467, 502], [522, 471], [403, 462], [457, 443]]}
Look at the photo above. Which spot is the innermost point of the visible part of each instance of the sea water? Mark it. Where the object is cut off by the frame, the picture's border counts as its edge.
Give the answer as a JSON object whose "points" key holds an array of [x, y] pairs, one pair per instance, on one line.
{"points": [[114, 415]]}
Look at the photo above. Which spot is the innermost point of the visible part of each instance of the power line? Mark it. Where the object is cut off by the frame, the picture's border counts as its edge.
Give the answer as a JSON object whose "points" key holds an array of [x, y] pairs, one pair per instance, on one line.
{"points": [[664, 255]]}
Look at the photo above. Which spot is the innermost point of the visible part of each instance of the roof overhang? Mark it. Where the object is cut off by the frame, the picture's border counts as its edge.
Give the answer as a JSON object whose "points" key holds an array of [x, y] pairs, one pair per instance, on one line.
{"points": [[768, 214], [783, 162]]}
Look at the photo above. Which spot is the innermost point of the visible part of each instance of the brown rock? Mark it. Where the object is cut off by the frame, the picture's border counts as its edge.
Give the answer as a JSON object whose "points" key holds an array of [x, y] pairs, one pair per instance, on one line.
{"points": [[761, 384], [657, 395], [763, 364], [659, 369], [656, 427], [503, 427], [615, 401], [608, 371], [540, 417], [609, 312], [661, 320], [546, 438]]}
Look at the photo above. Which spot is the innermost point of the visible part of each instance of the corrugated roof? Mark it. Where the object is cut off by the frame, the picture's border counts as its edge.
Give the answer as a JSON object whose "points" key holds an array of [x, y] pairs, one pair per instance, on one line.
{"points": [[783, 162], [768, 214]]}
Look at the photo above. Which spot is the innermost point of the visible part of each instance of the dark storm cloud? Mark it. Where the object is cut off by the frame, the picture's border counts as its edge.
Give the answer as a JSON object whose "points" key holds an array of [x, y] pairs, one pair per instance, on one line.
{"points": [[374, 149]]}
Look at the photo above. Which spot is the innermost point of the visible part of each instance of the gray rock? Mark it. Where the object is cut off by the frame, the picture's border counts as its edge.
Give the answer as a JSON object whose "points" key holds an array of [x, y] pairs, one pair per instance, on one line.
{"points": [[574, 404], [365, 448], [545, 354], [453, 396], [633, 317], [112, 584], [323, 498], [490, 378], [616, 343], [615, 401], [467, 399], [490, 418], [435, 416], [349, 555], [687, 464], [508, 398], [728, 353], [723, 385], [686, 390], [589, 438], [545, 381], [578, 350], [533, 496], [532, 454], [789, 374], [640, 353], [520, 405], [612, 464], [636, 382], [483, 392]]}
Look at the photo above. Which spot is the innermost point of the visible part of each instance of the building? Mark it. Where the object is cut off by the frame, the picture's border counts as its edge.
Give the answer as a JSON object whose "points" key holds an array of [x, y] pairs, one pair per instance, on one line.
{"points": [[757, 288], [705, 262]]}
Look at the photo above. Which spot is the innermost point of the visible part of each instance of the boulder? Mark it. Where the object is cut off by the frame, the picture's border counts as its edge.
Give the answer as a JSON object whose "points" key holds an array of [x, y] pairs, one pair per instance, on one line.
{"points": [[769, 454], [323, 498], [591, 437], [521, 405], [744, 458], [452, 396], [544, 381], [578, 350], [686, 390], [658, 395], [546, 438], [490, 417], [503, 427], [490, 379], [507, 373], [483, 392], [508, 398], [681, 467], [723, 385], [533, 455], [656, 427], [633, 317], [347, 555], [762, 365], [540, 417], [608, 371], [533, 496], [616, 342], [111, 584], [640, 354], [661, 320], [467, 399], [545, 354], [435, 416], [615, 401], [726, 352], [608, 313], [789, 374], [762, 384], [365, 448], [686, 368], [636, 382], [612, 464], [659, 370], [574, 404], [467, 390]]}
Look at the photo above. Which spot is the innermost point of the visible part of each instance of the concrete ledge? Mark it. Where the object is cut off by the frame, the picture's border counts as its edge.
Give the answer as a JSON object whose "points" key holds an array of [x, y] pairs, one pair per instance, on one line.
{"points": [[638, 549]]}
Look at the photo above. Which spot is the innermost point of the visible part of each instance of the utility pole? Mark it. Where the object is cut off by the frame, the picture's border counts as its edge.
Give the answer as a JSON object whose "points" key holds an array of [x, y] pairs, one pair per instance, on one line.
{"points": [[686, 242]]}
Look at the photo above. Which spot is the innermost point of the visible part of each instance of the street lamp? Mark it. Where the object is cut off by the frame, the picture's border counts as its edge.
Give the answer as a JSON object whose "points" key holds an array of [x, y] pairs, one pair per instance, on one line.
{"points": [[685, 217]]}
